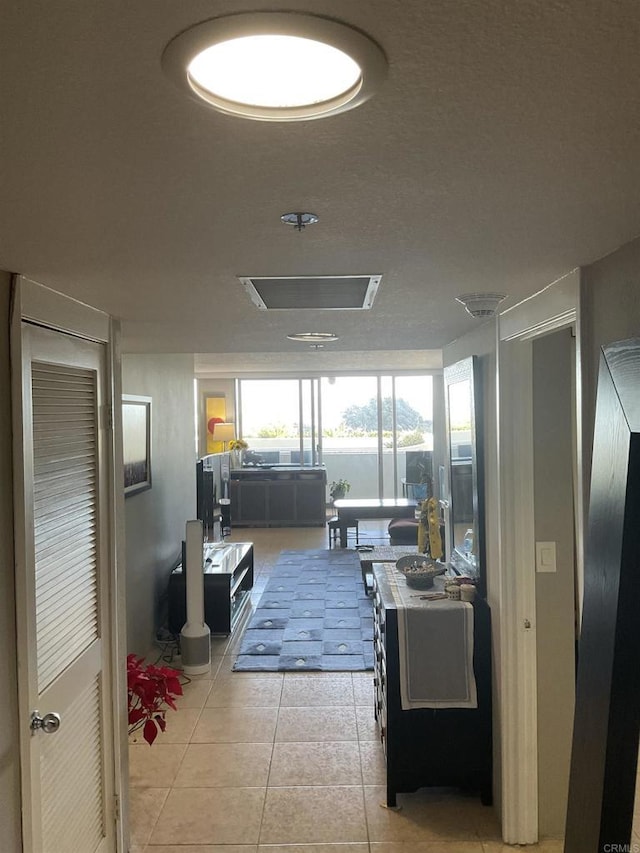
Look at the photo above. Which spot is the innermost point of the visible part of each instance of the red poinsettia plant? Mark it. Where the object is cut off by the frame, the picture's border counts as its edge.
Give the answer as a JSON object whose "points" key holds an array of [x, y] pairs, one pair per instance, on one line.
{"points": [[151, 690]]}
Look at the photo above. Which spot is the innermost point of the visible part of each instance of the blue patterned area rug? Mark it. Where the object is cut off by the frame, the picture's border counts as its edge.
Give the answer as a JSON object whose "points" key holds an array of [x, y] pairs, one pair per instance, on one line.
{"points": [[313, 615]]}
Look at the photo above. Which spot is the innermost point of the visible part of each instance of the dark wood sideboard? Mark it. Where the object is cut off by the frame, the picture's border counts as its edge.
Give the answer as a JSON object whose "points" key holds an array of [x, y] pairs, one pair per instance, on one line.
{"points": [[443, 747], [278, 497]]}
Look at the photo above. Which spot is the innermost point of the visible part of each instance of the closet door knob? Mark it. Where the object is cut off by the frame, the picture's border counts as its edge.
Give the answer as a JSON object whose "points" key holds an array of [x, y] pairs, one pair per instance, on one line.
{"points": [[49, 724]]}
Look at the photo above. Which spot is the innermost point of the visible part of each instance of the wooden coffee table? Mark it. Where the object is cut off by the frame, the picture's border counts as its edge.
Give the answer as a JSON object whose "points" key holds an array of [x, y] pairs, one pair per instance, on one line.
{"points": [[382, 554]]}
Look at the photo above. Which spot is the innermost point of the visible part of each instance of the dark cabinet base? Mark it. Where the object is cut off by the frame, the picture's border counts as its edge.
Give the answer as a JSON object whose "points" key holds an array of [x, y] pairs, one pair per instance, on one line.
{"points": [[432, 749], [278, 498]]}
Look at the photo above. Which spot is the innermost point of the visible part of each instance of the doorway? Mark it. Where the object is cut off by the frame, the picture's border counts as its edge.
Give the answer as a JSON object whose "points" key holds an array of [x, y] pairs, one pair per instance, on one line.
{"points": [[62, 595], [519, 329], [69, 623]]}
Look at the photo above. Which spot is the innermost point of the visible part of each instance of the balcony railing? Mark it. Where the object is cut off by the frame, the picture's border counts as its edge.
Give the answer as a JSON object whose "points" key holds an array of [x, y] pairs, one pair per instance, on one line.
{"points": [[358, 466]]}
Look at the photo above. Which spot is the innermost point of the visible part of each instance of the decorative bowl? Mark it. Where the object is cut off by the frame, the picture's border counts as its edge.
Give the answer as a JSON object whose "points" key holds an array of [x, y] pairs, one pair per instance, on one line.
{"points": [[419, 571]]}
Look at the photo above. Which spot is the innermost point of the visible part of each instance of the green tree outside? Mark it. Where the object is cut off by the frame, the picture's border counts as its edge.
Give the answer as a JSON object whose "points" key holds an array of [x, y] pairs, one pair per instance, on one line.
{"points": [[366, 417]]}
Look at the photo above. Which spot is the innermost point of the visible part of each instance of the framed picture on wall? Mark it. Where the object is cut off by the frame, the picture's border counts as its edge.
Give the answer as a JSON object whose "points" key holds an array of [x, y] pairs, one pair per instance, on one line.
{"points": [[215, 413], [136, 443]]}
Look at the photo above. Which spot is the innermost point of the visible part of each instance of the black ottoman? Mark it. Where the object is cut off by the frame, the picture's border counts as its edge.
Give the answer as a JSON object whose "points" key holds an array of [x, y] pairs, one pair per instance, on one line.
{"points": [[403, 531]]}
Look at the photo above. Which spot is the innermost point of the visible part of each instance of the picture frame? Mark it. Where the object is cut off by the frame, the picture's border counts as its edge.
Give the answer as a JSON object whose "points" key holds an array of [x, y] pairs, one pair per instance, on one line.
{"points": [[136, 443]]}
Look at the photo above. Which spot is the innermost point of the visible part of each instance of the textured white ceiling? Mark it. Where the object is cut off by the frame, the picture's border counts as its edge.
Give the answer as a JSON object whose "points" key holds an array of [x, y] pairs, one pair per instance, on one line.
{"points": [[501, 153]]}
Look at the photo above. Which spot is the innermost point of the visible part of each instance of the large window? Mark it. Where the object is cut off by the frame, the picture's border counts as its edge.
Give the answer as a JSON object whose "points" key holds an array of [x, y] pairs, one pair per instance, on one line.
{"points": [[350, 433], [373, 431], [414, 435], [270, 418]]}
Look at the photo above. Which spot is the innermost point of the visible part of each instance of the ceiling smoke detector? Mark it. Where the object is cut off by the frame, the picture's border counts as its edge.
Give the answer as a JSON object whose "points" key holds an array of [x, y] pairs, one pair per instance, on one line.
{"points": [[481, 304]]}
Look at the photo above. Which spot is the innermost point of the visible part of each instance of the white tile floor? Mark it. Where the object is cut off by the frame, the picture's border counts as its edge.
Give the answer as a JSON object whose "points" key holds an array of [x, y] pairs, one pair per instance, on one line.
{"points": [[287, 763]]}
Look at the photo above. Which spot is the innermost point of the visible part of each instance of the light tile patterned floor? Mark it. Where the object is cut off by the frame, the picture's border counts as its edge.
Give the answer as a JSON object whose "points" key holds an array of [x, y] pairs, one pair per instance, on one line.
{"points": [[287, 763]]}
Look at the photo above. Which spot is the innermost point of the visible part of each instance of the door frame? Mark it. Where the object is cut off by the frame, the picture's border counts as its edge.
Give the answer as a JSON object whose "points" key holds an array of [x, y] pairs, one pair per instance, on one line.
{"points": [[556, 307], [35, 303]]}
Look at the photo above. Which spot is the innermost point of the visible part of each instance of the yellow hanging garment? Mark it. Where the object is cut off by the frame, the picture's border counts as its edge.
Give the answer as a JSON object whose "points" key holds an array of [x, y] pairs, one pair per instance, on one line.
{"points": [[433, 522], [423, 532]]}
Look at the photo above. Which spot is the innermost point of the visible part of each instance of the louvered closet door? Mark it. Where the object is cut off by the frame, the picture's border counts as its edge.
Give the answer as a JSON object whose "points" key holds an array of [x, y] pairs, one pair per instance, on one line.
{"points": [[66, 594]]}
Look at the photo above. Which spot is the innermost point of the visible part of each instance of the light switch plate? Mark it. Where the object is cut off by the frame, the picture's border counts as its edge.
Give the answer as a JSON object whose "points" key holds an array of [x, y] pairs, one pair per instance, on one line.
{"points": [[545, 556]]}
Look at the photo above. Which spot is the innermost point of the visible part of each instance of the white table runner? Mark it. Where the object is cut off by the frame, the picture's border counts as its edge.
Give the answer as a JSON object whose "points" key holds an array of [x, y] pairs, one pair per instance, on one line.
{"points": [[435, 640]]}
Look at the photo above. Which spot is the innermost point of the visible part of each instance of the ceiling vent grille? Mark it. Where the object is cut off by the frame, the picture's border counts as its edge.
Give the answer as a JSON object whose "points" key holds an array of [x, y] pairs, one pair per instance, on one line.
{"points": [[330, 292]]}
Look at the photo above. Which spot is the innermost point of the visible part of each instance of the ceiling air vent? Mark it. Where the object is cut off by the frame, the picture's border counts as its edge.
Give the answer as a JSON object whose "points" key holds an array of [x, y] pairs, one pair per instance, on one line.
{"points": [[346, 292]]}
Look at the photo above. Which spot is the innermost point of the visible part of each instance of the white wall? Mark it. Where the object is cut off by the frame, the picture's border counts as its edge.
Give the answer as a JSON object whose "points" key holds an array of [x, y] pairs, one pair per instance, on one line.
{"points": [[10, 832], [155, 519], [555, 592], [481, 341]]}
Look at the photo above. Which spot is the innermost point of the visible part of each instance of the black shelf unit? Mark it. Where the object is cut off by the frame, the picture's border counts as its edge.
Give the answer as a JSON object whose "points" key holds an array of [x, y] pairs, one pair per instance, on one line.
{"points": [[228, 580]]}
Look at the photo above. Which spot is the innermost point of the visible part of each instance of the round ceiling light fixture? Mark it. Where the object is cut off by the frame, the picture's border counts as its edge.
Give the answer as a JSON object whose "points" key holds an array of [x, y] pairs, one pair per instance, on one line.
{"points": [[276, 66], [313, 337], [299, 220]]}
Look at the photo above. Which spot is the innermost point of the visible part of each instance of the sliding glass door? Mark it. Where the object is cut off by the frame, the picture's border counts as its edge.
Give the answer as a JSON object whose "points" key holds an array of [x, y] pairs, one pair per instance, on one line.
{"points": [[375, 432], [269, 417], [349, 440], [413, 473]]}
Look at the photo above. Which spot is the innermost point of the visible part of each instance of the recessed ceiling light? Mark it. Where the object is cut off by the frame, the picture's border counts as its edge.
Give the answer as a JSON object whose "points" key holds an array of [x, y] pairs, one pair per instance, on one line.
{"points": [[313, 337], [276, 66], [299, 220]]}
